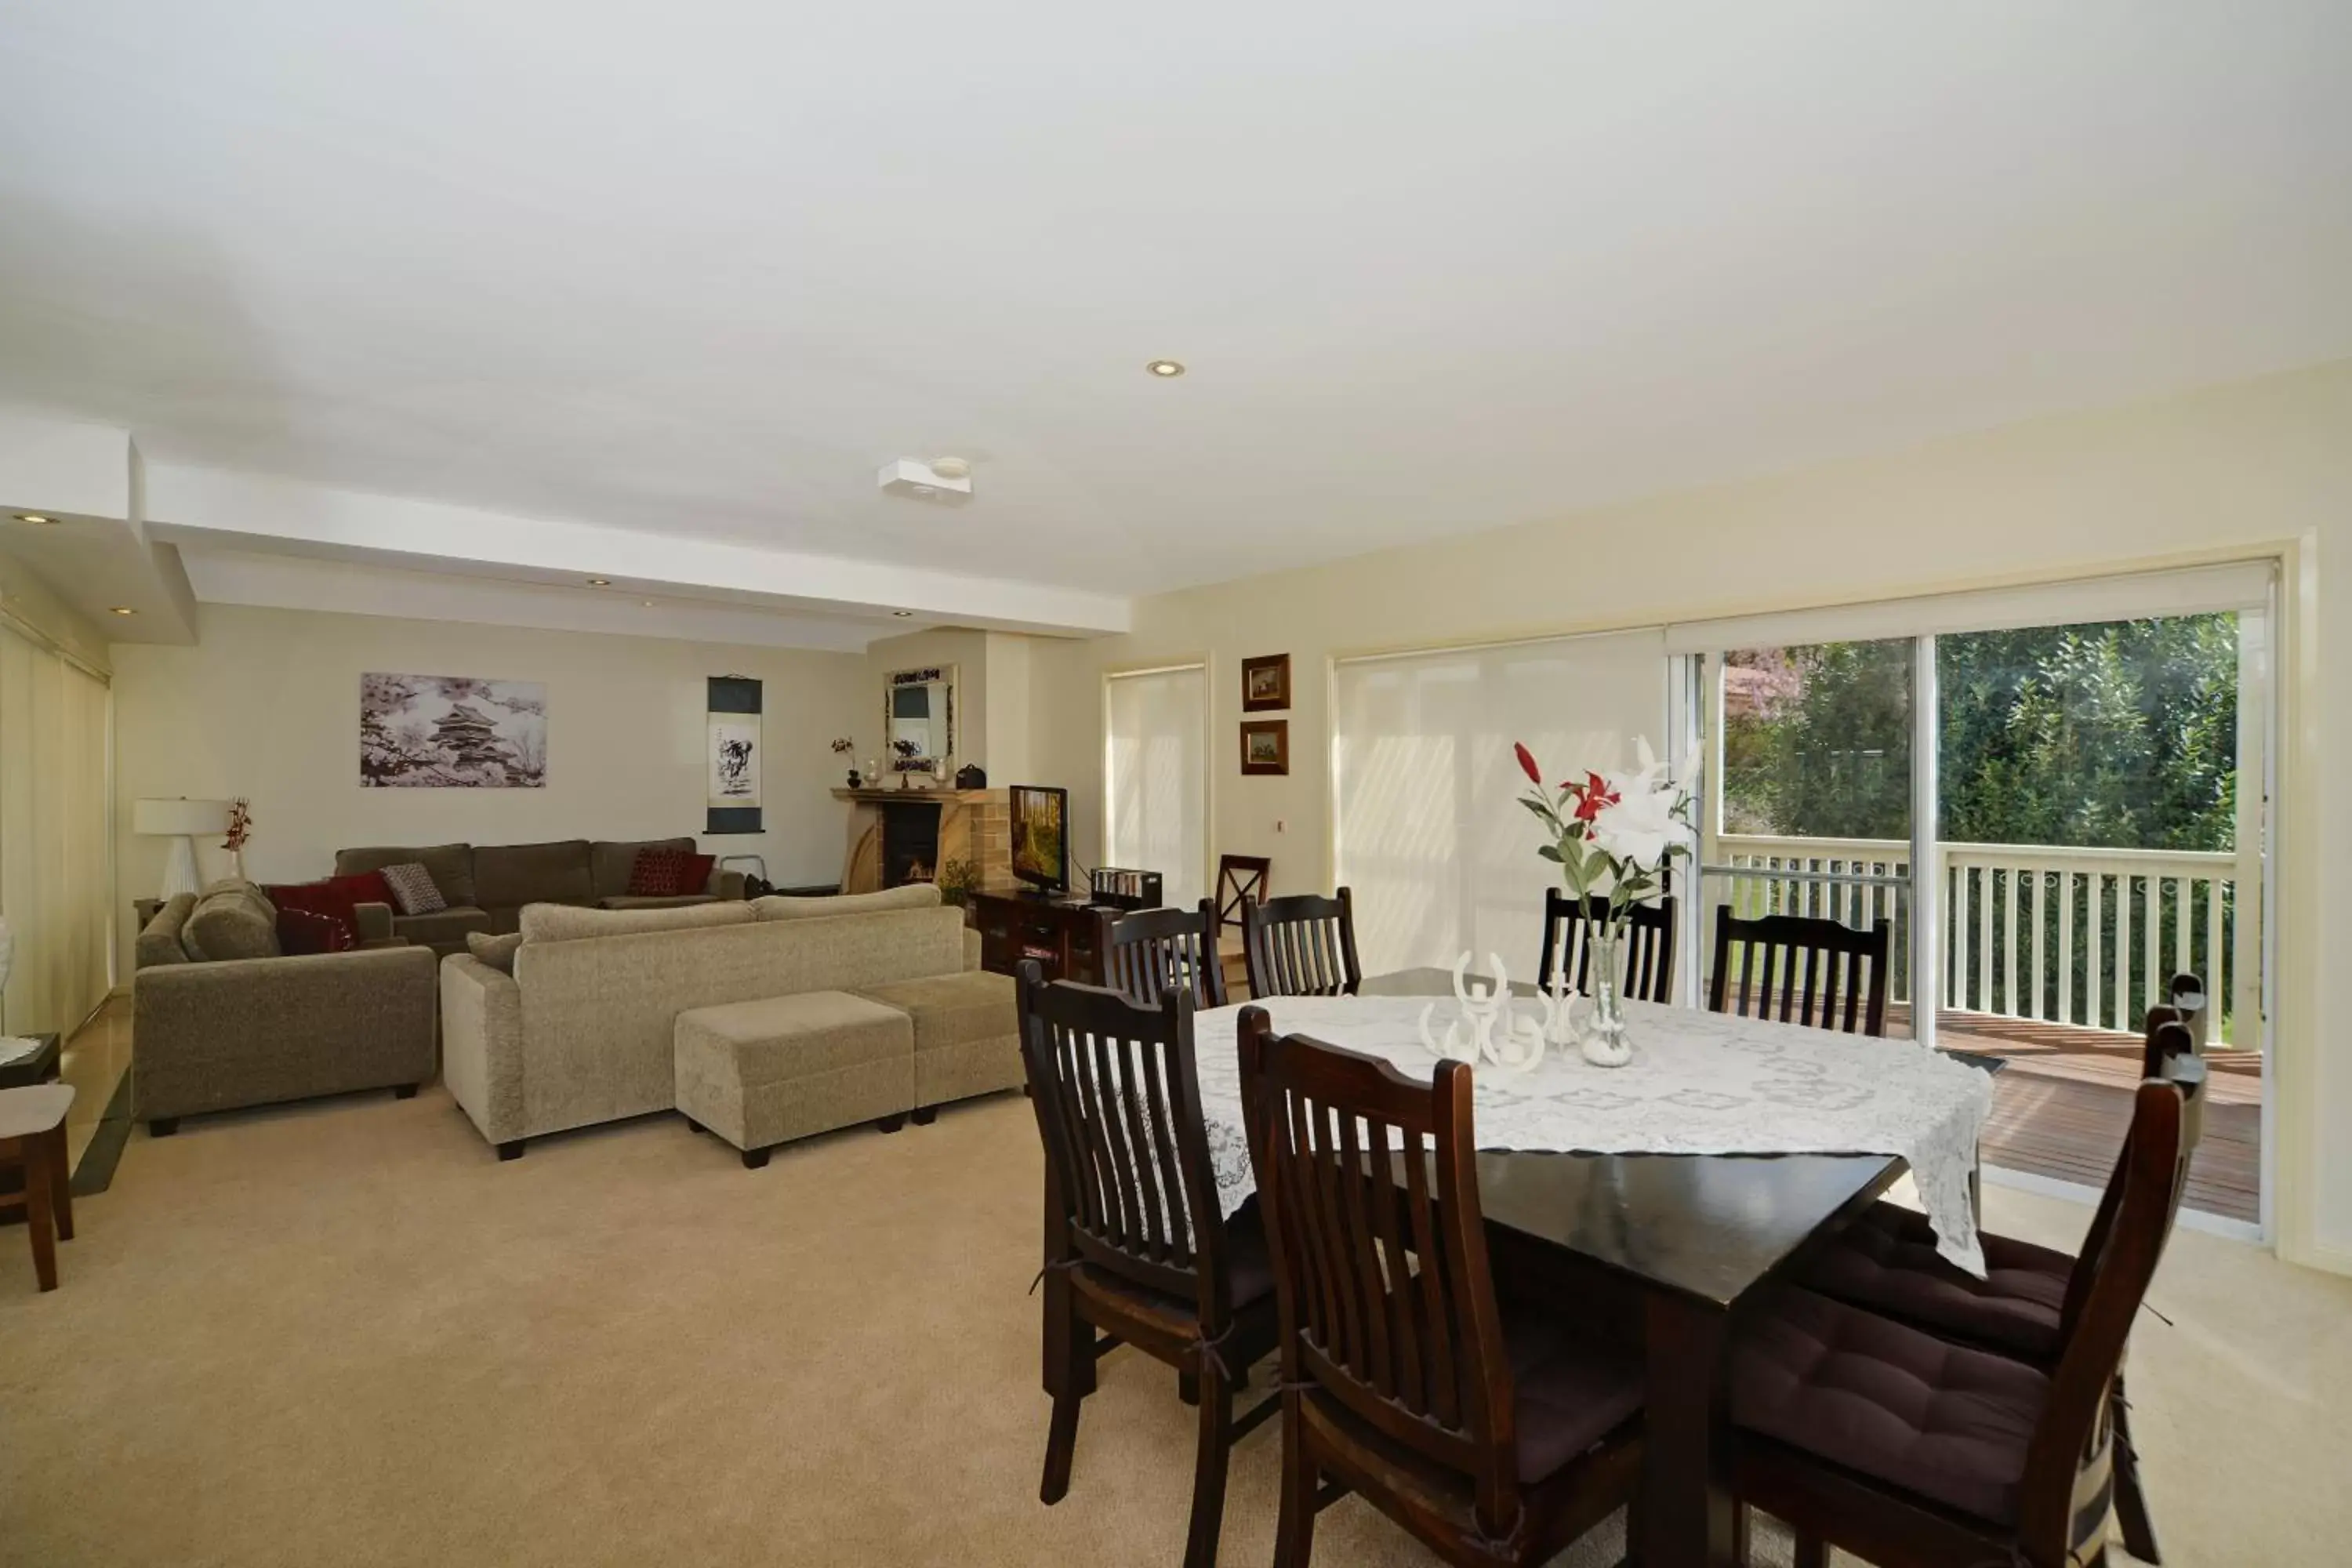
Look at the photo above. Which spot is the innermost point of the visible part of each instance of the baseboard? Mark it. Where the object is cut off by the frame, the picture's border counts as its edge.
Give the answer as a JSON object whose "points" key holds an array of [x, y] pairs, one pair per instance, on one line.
{"points": [[2076, 1193]]}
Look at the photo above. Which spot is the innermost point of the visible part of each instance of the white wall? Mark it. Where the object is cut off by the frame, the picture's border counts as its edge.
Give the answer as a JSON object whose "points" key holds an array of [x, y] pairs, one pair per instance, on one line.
{"points": [[266, 706], [2244, 466]]}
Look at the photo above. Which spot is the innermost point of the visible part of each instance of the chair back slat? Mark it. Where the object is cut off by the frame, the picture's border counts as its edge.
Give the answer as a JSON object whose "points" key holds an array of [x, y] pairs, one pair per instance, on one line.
{"points": [[1116, 1096], [1157, 951], [1301, 945], [1387, 1299], [1240, 878], [1649, 945], [2069, 1460], [1802, 970]]}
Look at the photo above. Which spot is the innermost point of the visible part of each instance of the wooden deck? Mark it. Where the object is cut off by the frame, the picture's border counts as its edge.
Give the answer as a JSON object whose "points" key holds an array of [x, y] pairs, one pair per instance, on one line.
{"points": [[2061, 1109]]}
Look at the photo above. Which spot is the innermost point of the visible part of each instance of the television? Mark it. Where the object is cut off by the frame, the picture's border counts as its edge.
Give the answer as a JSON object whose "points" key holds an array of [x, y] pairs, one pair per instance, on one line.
{"points": [[1041, 837]]}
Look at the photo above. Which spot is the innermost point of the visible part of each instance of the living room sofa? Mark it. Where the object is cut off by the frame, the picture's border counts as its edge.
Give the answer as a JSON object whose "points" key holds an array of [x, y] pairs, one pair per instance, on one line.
{"points": [[487, 885], [585, 1028], [223, 1020]]}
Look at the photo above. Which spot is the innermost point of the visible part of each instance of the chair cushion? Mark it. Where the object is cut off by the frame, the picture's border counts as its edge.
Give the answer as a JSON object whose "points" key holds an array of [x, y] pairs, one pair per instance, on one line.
{"points": [[232, 920], [1572, 1392], [451, 867], [952, 1009], [611, 863], [1887, 1262], [1871, 1395], [508, 875], [413, 892]]}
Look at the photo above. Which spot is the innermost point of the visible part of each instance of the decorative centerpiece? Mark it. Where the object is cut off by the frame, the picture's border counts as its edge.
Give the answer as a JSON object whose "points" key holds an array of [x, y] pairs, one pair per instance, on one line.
{"points": [[1486, 1029], [842, 747], [1614, 836], [240, 828]]}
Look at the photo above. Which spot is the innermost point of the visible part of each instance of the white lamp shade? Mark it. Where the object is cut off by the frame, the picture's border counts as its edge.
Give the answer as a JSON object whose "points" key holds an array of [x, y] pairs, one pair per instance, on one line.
{"points": [[198, 817]]}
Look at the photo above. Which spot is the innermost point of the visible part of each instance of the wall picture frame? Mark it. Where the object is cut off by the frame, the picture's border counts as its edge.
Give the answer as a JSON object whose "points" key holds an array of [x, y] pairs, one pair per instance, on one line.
{"points": [[1265, 747], [1265, 683]]}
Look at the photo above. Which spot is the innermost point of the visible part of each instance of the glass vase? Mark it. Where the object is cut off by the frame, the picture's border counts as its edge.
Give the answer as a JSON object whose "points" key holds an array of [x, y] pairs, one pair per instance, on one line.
{"points": [[1604, 1043]]}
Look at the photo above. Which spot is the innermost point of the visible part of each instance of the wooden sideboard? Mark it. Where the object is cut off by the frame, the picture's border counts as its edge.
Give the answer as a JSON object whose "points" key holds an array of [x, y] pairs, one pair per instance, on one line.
{"points": [[1067, 936]]}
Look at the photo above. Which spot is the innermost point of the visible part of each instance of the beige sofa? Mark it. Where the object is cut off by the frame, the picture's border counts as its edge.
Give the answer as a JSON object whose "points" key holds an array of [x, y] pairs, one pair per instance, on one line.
{"points": [[585, 1028]]}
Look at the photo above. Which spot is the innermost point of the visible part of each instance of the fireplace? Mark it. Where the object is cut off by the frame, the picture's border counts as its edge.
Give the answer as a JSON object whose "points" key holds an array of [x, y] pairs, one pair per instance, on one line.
{"points": [[910, 842]]}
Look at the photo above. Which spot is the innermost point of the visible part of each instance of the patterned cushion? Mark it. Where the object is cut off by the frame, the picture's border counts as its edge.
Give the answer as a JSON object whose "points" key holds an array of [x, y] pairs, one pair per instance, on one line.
{"points": [[498, 952], [301, 931], [412, 892], [665, 873]]}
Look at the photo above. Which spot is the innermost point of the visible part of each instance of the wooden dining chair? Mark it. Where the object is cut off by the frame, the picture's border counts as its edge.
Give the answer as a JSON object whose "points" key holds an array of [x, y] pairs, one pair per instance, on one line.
{"points": [[1493, 1438], [1886, 1263], [1798, 969], [1136, 1244], [2183, 1003], [1649, 944], [1240, 878], [1157, 951], [1909, 1450], [1302, 945]]}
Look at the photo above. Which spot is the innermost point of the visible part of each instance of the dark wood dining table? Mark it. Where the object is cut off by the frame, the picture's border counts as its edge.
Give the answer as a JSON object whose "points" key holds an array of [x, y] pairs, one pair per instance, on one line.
{"points": [[1690, 1240]]}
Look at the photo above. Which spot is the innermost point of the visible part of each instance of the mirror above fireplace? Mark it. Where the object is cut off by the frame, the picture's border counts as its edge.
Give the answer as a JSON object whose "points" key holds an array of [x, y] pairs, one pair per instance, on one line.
{"points": [[919, 717]]}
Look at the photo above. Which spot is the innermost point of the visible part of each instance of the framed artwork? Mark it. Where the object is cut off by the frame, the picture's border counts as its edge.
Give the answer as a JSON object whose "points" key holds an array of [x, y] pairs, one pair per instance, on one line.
{"points": [[1265, 746], [733, 802], [1265, 683], [452, 732]]}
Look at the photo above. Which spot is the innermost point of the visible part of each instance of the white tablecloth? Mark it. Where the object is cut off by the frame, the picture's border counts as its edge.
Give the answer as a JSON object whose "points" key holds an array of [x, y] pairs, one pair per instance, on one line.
{"points": [[1700, 1083]]}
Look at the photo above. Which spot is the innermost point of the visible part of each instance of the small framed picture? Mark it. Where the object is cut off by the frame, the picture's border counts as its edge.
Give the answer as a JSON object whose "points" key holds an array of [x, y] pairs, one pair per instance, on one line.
{"points": [[1265, 746], [1265, 683]]}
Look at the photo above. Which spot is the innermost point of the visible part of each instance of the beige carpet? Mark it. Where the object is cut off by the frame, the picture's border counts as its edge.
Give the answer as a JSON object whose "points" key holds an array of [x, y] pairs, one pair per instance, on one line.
{"points": [[342, 1333]]}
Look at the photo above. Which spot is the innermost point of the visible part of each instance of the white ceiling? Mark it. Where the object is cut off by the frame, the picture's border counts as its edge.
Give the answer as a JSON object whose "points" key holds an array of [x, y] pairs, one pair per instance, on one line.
{"points": [[698, 268]]}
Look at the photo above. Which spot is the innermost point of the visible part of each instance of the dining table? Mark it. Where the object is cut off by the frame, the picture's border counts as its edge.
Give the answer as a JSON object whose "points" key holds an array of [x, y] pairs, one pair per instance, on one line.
{"points": [[1690, 1241]]}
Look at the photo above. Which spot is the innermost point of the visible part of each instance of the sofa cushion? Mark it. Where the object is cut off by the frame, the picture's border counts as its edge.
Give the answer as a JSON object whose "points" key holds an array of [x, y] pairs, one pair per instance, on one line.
{"points": [[333, 898], [412, 892], [952, 1009], [665, 873], [780, 1038], [451, 867], [611, 862], [508, 875], [498, 952], [1867, 1393], [158, 939], [560, 922], [306, 932], [231, 920], [443, 929], [913, 896]]}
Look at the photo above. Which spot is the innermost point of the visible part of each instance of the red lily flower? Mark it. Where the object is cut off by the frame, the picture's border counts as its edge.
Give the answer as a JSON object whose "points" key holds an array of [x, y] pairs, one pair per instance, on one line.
{"points": [[1527, 765], [1594, 794]]}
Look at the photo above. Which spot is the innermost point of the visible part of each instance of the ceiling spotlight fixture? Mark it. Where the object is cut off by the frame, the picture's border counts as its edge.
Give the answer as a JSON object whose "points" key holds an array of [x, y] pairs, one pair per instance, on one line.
{"points": [[952, 467], [1165, 369], [121, 610], [600, 581], [34, 517], [649, 604]]}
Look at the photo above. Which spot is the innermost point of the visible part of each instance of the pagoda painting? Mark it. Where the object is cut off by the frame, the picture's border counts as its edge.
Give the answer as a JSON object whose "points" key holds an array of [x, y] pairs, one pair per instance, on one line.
{"points": [[452, 732]]}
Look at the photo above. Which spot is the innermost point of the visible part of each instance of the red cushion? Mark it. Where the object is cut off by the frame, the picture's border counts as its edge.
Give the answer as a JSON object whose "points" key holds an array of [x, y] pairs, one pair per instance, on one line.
{"points": [[663, 873], [303, 931], [365, 887], [337, 898]]}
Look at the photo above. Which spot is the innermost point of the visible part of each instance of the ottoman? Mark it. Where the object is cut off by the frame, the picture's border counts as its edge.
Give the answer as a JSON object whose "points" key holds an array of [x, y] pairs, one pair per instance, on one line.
{"points": [[967, 1035], [766, 1072]]}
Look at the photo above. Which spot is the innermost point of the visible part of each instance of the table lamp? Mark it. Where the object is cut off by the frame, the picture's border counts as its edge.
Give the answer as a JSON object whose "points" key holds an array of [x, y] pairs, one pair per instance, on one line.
{"points": [[179, 820]]}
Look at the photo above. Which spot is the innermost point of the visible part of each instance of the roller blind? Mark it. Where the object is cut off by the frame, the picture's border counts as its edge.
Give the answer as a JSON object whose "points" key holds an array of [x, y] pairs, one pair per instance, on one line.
{"points": [[56, 882], [1155, 778], [1427, 830]]}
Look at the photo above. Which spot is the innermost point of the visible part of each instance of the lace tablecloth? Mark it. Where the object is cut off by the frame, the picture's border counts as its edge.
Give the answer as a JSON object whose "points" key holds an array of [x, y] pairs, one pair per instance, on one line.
{"points": [[1700, 1083]]}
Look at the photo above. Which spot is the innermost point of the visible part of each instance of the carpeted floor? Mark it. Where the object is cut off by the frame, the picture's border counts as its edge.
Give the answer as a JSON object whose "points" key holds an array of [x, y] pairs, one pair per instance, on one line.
{"points": [[344, 1333]]}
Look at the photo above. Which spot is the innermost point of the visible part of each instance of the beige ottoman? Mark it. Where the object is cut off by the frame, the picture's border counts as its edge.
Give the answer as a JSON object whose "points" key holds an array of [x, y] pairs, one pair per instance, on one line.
{"points": [[967, 1035], [763, 1073]]}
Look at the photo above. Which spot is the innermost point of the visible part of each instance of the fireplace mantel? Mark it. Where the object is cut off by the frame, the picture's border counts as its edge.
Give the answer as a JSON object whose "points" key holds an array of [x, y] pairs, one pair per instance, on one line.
{"points": [[975, 825]]}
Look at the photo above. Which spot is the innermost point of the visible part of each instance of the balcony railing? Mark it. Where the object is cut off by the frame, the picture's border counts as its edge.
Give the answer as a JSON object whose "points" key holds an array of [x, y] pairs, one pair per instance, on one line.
{"points": [[2043, 931]]}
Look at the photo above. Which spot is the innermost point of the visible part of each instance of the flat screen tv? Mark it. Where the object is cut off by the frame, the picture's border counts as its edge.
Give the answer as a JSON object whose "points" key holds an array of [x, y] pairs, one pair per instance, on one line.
{"points": [[1041, 837]]}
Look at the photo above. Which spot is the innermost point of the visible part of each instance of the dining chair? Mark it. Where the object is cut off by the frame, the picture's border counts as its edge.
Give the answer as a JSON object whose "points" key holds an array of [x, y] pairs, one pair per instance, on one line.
{"points": [[1494, 1437], [1910, 1450], [1136, 1244], [1303, 944], [1157, 951], [1649, 944], [1799, 969], [33, 1137], [1240, 878], [2184, 1004], [1886, 1263]]}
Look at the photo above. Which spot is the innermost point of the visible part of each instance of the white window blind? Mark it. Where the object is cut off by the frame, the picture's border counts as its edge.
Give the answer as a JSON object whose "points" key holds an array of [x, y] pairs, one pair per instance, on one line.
{"points": [[1155, 778], [56, 890], [1429, 832]]}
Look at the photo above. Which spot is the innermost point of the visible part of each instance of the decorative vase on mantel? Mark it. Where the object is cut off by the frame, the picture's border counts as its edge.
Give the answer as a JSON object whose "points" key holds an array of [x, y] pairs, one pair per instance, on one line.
{"points": [[1604, 1044]]}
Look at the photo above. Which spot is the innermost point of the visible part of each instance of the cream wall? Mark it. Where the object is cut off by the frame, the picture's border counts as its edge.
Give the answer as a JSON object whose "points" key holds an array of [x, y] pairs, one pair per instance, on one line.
{"points": [[993, 681], [266, 706], [2240, 469]]}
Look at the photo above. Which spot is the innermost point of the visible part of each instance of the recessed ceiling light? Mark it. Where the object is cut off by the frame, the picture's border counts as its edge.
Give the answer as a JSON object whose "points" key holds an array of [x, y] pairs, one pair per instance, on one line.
{"points": [[904, 615], [121, 610], [649, 604], [34, 517], [600, 581], [1165, 369]]}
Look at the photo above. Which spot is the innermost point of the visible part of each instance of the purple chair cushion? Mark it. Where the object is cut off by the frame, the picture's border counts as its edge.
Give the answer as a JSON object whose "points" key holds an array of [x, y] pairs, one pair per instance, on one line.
{"points": [[1870, 1395], [1887, 1262], [1571, 1392]]}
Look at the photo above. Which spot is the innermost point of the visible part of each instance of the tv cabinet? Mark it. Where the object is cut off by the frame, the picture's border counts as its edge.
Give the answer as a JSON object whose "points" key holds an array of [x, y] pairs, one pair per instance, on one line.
{"points": [[1067, 936]]}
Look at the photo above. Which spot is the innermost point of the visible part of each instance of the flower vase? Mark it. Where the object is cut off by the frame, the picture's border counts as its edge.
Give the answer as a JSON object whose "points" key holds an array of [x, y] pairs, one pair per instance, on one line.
{"points": [[1604, 1043]]}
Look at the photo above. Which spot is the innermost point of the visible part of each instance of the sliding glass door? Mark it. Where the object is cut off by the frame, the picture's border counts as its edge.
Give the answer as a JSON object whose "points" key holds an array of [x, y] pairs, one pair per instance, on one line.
{"points": [[1156, 777]]}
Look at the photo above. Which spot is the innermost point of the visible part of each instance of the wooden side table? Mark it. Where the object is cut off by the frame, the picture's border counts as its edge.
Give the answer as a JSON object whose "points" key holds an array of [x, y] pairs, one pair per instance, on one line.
{"points": [[33, 1135]]}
